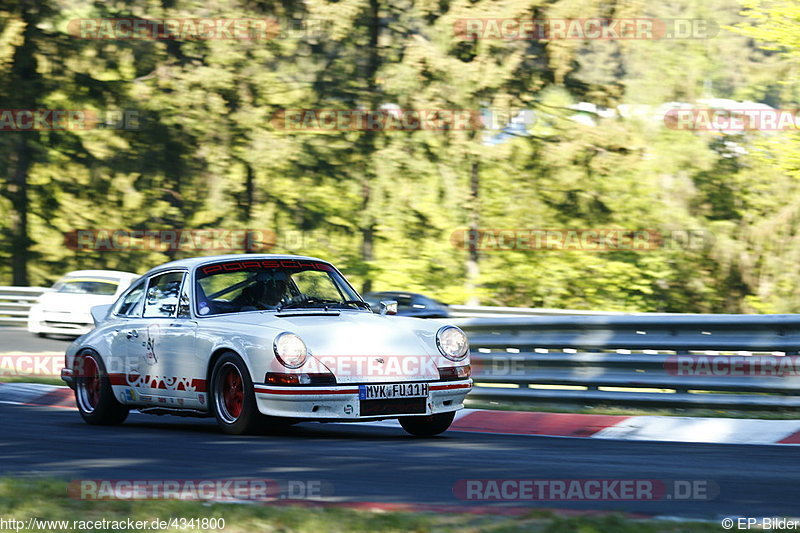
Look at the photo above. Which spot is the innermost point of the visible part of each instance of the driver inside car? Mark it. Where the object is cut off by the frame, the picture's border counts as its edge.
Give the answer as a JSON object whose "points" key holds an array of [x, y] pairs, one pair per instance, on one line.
{"points": [[265, 292]]}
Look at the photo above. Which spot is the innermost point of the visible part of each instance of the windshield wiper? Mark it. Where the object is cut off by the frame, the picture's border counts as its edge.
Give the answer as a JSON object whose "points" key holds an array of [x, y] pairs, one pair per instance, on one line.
{"points": [[311, 301], [358, 303]]}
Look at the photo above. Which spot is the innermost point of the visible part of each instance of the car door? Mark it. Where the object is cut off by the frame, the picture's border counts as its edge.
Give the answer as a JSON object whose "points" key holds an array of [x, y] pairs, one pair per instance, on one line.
{"points": [[123, 363], [166, 347]]}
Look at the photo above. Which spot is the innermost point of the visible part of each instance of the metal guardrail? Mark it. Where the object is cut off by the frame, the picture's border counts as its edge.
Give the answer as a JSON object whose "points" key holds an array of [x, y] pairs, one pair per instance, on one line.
{"points": [[665, 360], [485, 311], [15, 303], [529, 355]]}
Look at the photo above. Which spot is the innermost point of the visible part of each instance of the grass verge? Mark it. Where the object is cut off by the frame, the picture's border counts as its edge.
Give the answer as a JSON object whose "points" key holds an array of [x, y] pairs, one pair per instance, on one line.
{"points": [[31, 379], [46, 499]]}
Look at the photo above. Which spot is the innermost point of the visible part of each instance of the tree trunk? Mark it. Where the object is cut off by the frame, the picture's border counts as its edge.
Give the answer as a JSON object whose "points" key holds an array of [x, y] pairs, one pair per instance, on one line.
{"points": [[367, 238], [368, 224], [27, 94], [473, 268], [249, 194], [18, 193]]}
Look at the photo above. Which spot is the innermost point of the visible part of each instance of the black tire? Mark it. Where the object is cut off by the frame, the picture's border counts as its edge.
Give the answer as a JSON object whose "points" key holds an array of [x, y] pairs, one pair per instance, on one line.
{"points": [[235, 410], [93, 393], [427, 426]]}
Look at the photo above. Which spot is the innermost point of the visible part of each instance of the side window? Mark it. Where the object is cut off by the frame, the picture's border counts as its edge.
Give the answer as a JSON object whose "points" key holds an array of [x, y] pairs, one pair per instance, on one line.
{"points": [[131, 305], [183, 304], [163, 293]]}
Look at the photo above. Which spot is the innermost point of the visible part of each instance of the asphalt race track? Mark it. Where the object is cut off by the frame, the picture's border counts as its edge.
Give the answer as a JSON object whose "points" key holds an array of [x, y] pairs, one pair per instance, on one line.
{"points": [[19, 340], [360, 463]]}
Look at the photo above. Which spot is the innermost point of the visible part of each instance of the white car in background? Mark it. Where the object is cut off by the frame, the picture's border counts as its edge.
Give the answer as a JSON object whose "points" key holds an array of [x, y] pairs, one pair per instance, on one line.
{"points": [[65, 309]]}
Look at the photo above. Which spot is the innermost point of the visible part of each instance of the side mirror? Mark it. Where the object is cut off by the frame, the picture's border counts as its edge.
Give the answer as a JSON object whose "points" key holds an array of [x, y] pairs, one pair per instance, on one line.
{"points": [[389, 307], [100, 312]]}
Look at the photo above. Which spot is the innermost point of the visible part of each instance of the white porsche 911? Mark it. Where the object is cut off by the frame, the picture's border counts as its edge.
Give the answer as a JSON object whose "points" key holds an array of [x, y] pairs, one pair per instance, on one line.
{"points": [[258, 341]]}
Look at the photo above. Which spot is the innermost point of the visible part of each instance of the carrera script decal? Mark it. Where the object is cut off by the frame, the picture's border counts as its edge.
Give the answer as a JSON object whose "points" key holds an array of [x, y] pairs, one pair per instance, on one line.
{"points": [[172, 383]]}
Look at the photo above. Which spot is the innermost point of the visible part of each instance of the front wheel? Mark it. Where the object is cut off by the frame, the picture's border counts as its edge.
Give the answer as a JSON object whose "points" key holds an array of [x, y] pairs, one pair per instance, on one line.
{"points": [[93, 392], [427, 426], [233, 397]]}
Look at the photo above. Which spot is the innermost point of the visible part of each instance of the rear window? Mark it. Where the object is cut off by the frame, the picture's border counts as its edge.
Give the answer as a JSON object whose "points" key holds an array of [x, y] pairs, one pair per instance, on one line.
{"points": [[100, 287]]}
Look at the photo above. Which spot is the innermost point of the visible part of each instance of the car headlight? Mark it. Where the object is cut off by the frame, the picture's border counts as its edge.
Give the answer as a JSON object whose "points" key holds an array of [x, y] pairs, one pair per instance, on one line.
{"points": [[452, 342], [290, 350]]}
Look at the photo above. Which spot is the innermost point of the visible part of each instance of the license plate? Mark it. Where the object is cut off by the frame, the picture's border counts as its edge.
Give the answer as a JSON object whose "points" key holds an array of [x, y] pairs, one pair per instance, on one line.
{"points": [[397, 390]]}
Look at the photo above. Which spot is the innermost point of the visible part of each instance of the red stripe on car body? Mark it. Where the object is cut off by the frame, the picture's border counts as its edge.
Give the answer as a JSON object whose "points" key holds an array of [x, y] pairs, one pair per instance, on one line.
{"points": [[298, 390]]}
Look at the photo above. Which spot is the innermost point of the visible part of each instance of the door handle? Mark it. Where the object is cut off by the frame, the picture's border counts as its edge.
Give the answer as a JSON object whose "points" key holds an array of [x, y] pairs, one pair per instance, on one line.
{"points": [[132, 334]]}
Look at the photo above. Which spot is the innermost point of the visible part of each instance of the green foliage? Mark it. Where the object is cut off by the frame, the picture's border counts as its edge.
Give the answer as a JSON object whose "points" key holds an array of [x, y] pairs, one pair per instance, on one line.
{"points": [[384, 205]]}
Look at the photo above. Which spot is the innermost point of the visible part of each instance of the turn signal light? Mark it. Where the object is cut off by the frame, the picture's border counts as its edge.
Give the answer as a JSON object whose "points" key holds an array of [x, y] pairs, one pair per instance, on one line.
{"points": [[454, 372], [277, 378]]}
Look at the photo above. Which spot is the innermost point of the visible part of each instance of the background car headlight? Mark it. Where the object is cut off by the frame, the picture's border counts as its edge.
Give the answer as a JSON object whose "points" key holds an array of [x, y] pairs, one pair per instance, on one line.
{"points": [[452, 342], [290, 350]]}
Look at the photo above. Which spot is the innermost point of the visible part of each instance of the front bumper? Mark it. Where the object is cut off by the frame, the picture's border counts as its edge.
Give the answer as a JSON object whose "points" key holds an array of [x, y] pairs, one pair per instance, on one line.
{"points": [[43, 320], [67, 376], [341, 402], [75, 329]]}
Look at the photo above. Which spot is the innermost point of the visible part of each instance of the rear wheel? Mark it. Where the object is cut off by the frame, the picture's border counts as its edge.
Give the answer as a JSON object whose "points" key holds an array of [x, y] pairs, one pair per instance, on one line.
{"points": [[93, 393], [427, 426], [233, 398]]}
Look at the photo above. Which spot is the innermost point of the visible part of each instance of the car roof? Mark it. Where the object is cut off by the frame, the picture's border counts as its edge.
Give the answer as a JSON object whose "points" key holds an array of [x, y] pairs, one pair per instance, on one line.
{"points": [[192, 262], [104, 273], [400, 293], [404, 294]]}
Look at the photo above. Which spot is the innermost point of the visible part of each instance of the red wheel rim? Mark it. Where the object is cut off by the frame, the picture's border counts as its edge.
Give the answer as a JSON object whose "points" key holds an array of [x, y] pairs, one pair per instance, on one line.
{"points": [[232, 391], [90, 383]]}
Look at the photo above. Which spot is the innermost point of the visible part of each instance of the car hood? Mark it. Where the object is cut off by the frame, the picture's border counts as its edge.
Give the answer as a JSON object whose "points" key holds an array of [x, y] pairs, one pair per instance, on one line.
{"points": [[347, 343], [71, 302]]}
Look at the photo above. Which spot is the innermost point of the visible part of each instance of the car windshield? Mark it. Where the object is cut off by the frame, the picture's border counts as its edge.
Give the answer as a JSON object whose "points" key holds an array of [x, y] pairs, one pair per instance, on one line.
{"points": [[259, 285], [103, 287]]}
